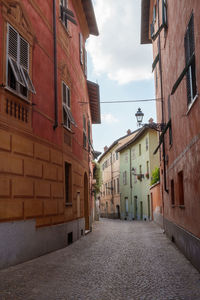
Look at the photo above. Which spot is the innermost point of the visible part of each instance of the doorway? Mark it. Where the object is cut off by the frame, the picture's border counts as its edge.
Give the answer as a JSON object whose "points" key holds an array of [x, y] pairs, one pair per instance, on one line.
{"points": [[118, 211], [126, 207], [86, 204], [141, 210], [135, 208]]}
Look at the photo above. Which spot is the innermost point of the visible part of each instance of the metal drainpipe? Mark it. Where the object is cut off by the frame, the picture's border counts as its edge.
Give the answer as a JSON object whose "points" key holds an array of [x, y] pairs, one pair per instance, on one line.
{"points": [[131, 185], [162, 103], [55, 67], [112, 186]]}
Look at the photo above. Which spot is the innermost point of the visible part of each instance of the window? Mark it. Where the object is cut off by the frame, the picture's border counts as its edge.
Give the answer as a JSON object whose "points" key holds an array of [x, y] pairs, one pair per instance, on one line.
{"points": [[180, 188], [190, 56], [81, 49], [147, 167], [147, 144], [63, 15], [18, 78], [126, 157], [114, 186], [117, 155], [140, 169], [169, 117], [84, 132], [117, 185], [67, 115], [164, 12], [67, 183], [154, 14], [140, 150], [124, 177], [89, 133], [172, 193], [133, 153]]}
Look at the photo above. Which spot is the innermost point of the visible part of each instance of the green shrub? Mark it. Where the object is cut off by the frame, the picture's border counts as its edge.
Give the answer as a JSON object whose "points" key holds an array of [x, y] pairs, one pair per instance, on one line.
{"points": [[155, 176]]}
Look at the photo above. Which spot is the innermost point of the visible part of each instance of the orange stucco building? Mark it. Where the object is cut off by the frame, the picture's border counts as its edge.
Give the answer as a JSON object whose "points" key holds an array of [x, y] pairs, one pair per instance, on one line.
{"points": [[47, 108], [173, 29]]}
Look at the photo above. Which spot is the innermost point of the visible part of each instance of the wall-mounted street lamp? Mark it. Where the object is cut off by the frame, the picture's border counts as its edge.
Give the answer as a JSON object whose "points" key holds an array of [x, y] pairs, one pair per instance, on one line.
{"points": [[156, 126]]}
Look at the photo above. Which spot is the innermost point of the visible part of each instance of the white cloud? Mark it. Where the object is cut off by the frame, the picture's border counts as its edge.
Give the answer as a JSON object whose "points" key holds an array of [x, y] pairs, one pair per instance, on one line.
{"points": [[117, 52], [109, 118]]}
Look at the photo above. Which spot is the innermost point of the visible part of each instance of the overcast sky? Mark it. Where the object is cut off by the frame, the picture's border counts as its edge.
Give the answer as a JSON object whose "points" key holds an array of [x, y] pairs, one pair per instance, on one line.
{"points": [[121, 66]]}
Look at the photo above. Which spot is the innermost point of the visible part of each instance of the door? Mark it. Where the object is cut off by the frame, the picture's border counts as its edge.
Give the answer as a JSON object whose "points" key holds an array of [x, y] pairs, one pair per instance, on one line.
{"points": [[149, 208], [135, 207], [141, 210], [126, 206], [86, 204]]}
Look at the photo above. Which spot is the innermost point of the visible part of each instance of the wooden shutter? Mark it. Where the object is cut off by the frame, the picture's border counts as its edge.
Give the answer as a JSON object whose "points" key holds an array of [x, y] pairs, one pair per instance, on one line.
{"points": [[12, 43], [81, 48], [24, 57]]}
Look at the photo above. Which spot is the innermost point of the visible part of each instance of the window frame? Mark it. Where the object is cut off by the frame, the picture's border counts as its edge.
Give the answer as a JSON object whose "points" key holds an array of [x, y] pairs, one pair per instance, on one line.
{"points": [[189, 46], [66, 106], [20, 72]]}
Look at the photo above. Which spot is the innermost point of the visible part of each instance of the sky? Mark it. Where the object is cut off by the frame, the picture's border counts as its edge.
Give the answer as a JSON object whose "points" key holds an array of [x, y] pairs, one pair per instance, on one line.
{"points": [[122, 68]]}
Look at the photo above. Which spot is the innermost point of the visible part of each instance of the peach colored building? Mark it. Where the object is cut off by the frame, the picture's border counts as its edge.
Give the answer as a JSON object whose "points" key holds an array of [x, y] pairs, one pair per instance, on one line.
{"points": [[47, 108], [156, 204], [173, 28]]}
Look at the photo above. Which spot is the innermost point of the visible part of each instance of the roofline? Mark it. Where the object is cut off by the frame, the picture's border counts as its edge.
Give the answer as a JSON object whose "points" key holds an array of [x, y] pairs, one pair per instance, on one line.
{"points": [[145, 7], [115, 143], [90, 17], [138, 135]]}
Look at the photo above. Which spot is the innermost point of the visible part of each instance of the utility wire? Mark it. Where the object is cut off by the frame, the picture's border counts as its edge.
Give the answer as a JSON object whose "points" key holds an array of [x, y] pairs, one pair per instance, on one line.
{"points": [[127, 101]]}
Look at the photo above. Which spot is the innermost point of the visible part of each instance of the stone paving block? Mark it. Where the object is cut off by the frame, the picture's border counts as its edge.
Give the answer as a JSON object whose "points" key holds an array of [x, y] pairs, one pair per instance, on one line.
{"points": [[118, 260]]}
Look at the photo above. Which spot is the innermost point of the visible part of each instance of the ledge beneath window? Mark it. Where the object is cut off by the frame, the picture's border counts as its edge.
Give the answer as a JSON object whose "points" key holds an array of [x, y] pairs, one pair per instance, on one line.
{"points": [[191, 104], [17, 94], [68, 204], [182, 206]]}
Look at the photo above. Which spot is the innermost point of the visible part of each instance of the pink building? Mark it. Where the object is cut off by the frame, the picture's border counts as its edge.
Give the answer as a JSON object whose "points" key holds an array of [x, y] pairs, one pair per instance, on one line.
{"points": [[173, 28]]}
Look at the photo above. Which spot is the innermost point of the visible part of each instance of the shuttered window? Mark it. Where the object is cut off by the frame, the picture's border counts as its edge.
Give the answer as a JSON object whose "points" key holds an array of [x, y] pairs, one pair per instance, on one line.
{"points": [[63, 6], [67, 115], [189, 54], [81, 48], [84, 132], [18, 77]]}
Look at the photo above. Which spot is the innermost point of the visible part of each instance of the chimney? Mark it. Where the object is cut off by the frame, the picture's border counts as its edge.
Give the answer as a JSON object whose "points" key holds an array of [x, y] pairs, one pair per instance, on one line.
{"points": [[150, 120], [128, 132], [105, 148]]}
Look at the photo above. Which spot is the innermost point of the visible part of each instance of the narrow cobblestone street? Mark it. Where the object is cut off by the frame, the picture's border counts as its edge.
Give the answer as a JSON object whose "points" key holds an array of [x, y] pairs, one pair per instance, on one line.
{"points": [[118, 260]]}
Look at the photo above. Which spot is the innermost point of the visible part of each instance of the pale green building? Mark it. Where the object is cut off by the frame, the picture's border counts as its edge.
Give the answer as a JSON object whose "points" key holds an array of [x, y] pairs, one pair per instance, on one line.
{"points": [[136, 165]]}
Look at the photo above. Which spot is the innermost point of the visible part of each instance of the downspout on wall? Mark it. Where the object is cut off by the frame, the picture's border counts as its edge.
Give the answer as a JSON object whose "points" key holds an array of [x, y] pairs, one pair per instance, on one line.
{"points": [[55, 68], [162, 104]]}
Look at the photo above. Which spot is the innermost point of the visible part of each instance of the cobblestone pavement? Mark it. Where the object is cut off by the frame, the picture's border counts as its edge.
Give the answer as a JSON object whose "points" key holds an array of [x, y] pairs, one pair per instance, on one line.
{"points": [[118, 260]]}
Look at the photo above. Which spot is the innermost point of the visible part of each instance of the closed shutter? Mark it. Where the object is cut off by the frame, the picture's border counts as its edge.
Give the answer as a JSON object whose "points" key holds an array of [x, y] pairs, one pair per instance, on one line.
{"points": [[12, 43], [24, 49], [189, 45]]}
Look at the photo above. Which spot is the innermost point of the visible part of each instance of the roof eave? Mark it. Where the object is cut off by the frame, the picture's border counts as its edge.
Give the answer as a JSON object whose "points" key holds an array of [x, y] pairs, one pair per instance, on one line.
{"points": [[90, 17]]}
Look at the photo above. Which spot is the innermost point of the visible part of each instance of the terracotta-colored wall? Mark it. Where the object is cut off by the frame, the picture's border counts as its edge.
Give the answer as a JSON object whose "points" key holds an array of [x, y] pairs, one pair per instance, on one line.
{"points": [[156, 203], [32, 153], [183, 154]]}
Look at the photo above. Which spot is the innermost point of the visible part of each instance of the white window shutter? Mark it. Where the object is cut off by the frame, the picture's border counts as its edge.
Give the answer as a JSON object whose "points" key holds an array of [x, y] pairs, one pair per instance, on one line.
{"points": [[12, 43], [24, 57]]}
